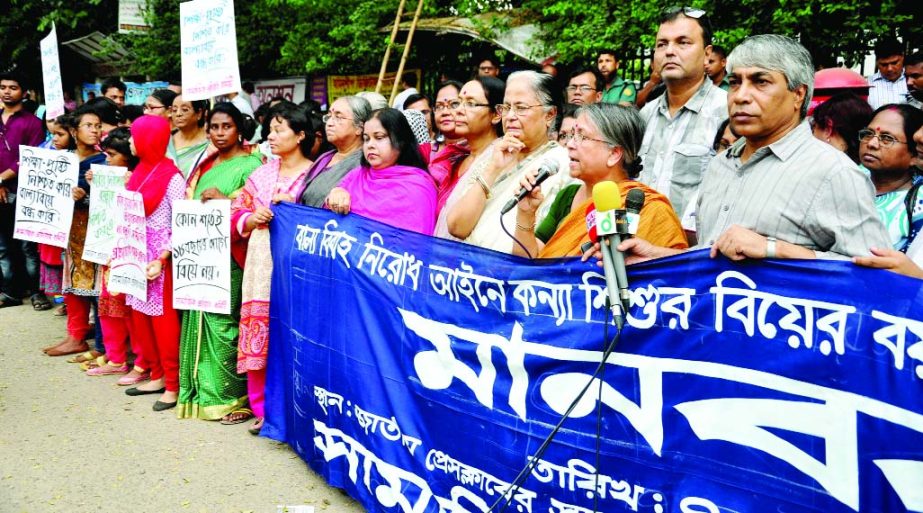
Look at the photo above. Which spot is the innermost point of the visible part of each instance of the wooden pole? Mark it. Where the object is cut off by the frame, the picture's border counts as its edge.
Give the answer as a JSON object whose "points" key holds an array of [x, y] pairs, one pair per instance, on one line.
{"points": [[384, 62], [400, 67]]}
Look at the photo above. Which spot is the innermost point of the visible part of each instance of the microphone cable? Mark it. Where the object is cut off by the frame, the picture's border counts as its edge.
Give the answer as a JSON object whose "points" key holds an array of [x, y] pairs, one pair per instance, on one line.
{"points": [[517, 241], [600, 370]]}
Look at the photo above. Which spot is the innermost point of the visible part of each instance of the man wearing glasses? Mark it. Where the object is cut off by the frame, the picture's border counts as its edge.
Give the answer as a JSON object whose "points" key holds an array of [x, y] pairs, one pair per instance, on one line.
{"points": [[681, 124], [488, 67], [583, 87], [17, 126], [778, 192], [615, 90]]}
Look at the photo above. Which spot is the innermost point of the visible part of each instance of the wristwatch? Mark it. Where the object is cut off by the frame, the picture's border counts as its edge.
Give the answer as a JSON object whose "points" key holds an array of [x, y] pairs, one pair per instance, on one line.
{"points": [[770, 247]]}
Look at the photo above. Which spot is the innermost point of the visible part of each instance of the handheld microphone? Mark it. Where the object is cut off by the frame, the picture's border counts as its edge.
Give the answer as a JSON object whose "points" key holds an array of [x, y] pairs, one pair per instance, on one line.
{"points": [[634, 201], [591, 222], [545, 170], [608, 200]]}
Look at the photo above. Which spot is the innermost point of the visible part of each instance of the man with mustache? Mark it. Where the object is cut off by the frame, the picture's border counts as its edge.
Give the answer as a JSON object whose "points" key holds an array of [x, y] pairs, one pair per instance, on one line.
{"points": [[888, 83], [778, 192], [681, 123], [17, 126], [913, 71]]}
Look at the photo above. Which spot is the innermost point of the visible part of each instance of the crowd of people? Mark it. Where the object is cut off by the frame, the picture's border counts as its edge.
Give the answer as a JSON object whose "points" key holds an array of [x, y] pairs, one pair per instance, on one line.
{"points": [[721, 143]]}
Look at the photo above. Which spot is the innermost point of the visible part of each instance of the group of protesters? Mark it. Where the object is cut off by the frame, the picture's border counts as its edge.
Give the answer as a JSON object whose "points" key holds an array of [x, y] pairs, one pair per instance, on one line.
{"points": [[722, 147]]}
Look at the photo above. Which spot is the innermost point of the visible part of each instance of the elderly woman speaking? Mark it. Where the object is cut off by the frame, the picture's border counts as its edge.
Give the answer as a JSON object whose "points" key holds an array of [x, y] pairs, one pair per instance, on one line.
{"points": [[528, 112], [602, 146]]}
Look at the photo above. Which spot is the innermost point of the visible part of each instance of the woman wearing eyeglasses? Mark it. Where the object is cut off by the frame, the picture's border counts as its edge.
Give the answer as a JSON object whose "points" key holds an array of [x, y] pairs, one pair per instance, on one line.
{"points": [[602, 146], [188, 144], [887, 150], [343, 126], [444, 153], [81, 283], [528, 112], [477, 122], [159, 103]]}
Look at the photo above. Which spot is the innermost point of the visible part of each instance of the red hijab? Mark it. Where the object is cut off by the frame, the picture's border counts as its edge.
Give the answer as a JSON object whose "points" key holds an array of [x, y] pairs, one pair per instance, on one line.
{"points": [[150, 135]]}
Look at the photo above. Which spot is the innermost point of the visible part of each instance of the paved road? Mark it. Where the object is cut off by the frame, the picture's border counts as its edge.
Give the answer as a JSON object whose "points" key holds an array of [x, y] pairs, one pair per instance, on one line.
{"points": [[73, 443]]}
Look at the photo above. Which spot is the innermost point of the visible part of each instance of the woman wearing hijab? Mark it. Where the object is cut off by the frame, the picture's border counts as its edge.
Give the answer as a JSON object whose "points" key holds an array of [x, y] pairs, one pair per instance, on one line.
{"points": [[154, 322], [391, 185]]}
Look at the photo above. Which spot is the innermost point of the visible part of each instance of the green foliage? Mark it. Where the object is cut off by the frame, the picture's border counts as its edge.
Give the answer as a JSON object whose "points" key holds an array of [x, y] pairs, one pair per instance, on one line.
{"points": [[841, 30]]}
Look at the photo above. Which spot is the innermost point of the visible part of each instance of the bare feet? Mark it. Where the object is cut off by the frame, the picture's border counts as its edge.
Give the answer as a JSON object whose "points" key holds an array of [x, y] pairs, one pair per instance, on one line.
{"points": [[69, 345]]}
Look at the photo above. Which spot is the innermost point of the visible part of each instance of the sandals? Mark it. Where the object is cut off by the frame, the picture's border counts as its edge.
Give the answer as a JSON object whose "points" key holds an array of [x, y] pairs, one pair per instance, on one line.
{"points": [[106, 369], [237, 416], [256, 427], [85, 357], [139, 376], [40, 302]]}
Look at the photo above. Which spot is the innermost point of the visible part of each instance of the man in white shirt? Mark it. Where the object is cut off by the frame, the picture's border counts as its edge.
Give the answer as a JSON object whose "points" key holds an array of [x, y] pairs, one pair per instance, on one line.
{"points": [[888, 83]]}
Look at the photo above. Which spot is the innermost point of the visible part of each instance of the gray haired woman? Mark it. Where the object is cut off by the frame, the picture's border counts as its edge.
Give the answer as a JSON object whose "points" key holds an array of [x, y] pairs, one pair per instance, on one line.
{"points": [[527, 113], [602, 146], [343, 125]]}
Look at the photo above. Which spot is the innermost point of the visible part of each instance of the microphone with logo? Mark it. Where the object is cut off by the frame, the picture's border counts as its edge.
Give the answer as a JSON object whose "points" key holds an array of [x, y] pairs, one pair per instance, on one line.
{"points": [[609, 215], [545, 170]]}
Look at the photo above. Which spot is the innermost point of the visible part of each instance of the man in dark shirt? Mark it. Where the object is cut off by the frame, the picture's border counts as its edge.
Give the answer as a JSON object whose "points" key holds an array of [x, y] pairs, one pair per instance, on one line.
{"points": [[17, 126]]}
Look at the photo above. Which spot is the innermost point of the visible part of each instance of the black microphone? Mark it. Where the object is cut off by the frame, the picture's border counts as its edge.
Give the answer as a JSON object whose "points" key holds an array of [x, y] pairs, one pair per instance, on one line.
{"points": [[545, 170], [634, 201]]}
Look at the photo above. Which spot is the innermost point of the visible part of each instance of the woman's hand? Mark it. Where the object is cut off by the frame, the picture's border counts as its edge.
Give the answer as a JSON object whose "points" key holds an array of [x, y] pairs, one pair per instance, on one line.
{"points": [[530, 203], [211, 193], [338, 200], [78, 194], [279, 197], [89, 176], [505, 154], [154, 268], [890, 259], [260, 217]]}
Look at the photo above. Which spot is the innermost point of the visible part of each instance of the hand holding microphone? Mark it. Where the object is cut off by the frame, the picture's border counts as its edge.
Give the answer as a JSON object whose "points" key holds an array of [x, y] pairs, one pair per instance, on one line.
{"points": [[547, 168]]}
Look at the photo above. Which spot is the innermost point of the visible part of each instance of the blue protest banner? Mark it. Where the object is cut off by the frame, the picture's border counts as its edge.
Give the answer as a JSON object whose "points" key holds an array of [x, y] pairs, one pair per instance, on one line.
{"points": [[421, 375]]}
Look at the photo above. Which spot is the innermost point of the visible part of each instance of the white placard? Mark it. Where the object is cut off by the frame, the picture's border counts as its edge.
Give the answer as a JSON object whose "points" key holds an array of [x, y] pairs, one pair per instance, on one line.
{"points": [[201, 243], [51, 75], [131, 16], [105, 213], [128, 268], [44, 204], [208, 45]]}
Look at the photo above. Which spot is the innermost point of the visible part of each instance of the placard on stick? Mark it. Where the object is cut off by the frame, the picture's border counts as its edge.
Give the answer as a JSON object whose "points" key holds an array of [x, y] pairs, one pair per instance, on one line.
{"points": [[208, 42]]}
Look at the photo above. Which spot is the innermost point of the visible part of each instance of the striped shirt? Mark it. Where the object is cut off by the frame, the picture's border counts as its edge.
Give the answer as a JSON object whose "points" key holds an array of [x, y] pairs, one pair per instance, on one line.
{"points": [[799, 190], [676, 150], [883, 91]]}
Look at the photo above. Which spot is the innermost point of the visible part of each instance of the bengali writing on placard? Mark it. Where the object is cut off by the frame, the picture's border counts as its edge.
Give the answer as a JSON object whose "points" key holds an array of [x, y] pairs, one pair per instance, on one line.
{"points": [[208, 48], [128, 267], [51, 75], [201, 242], [105, 212], [44, 204]]}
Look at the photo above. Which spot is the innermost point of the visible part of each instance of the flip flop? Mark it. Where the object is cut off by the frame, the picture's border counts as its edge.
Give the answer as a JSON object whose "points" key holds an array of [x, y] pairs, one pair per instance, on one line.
{"points": [[87, 356], [243, 415]]}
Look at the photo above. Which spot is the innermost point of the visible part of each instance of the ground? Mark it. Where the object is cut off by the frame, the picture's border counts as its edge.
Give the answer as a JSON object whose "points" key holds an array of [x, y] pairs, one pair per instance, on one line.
{"points": [[75, 443]]}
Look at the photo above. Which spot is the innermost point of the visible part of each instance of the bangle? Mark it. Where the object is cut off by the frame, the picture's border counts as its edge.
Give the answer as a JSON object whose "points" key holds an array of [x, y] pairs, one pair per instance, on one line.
{"points": [[480, 180], [770, 247], [526, 228]]}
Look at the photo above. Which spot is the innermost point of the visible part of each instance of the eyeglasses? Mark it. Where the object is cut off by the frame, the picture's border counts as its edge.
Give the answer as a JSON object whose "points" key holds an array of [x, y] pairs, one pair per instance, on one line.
{"points": [[466, 104], [336, 119], [884, 140], [579, 137], [581, 88], [152, 107], [691, 12], [97, 126], [518, 110]]}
